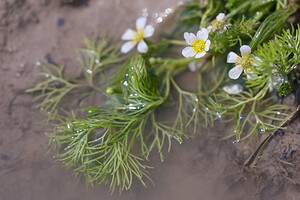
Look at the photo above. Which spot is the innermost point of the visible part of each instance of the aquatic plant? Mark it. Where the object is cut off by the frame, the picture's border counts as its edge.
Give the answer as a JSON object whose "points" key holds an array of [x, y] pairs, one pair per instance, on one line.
{"points": [[112, 143]]}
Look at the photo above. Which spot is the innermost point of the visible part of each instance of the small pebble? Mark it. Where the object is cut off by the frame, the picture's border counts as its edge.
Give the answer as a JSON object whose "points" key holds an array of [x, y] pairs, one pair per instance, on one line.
{"points": [[60, 22], [4, 157]]}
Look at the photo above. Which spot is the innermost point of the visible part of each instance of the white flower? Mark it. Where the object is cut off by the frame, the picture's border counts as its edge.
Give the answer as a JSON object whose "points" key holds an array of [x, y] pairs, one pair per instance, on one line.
{"points": [[233, 89], [244, 63], [198, 45], [221, 18], [137, 37], [219, 24]]}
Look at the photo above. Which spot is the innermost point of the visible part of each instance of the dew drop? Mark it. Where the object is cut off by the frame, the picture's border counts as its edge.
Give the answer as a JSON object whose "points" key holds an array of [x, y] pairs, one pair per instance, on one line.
{"points": [[68, 126], [206, 108], [168, 11], [159, 20], [97, 61], [278, 113], [145, 12], [196, 99], [125, 83], [89, 71], [194, 110], [37, 63], [47, 75]]}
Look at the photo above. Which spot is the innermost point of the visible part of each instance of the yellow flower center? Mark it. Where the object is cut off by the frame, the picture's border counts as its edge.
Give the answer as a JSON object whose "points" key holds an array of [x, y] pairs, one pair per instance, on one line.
{"points": [[245, 63], [199, 46], [138, 36]]}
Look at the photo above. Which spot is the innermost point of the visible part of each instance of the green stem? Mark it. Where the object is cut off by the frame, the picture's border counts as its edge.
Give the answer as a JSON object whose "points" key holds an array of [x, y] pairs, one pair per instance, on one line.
{"points": [[239, 9], [257, 97], [204, 17], [177, 42]]}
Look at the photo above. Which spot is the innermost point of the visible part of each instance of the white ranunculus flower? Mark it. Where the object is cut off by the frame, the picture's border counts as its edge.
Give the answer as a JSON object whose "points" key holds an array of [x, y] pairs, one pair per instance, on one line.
{"points": [[244, 63], [219, 24], [137, 37], [198, 45], [221, 18]]}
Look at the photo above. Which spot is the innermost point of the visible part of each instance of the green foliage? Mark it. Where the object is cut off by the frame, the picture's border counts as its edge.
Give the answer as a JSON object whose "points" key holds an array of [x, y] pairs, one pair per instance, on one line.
{"points": [[53, 89], [277, 59], [196, 14], [271, 25], [249, 111], [97, 55], [233, 35]]}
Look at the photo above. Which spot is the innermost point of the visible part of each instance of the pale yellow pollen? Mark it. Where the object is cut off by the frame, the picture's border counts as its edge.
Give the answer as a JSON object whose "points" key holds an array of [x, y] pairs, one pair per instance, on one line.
{"points": [[199, 46], [138, 36], [244, 63]]}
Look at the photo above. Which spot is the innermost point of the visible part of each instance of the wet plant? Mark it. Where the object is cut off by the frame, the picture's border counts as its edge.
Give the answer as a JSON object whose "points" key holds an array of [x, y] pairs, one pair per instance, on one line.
{"points": [[111, 144]]}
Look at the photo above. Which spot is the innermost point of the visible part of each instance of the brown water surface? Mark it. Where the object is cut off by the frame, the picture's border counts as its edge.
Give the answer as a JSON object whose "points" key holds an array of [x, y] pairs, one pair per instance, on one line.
{"points": [[31, 31]]}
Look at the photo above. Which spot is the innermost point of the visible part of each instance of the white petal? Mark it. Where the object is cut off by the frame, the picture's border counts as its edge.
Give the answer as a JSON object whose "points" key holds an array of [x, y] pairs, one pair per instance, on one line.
{"points": [[128, 35], [149, 30], [257, 61], [235, 73], [188, 52], [140, 23], [209, 28], [192, 66], [142, 47], [245, 50], [250, 75], [202, 34], [190, 38], [127, 46], [221, 17], [233, 89], [199, 55], [232, 57], [207, 44]]}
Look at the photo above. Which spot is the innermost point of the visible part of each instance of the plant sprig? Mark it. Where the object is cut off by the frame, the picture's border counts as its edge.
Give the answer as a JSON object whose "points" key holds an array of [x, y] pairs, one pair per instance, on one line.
{"points": [[112, 144]]}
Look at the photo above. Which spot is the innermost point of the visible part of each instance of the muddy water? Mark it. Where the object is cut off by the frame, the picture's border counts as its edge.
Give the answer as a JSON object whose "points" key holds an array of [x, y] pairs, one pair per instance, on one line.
{"points": [[201, 168]]}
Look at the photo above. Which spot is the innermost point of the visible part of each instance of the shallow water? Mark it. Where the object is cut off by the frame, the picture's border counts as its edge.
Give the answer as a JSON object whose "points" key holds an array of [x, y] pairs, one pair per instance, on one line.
{"points": [[203, 167]]}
